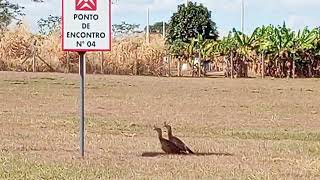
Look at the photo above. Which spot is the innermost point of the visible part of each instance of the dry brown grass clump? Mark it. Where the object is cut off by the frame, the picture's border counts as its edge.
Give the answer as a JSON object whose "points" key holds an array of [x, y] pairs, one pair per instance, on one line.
{"points": [[134, 56], [19, 47], [15, 47]]}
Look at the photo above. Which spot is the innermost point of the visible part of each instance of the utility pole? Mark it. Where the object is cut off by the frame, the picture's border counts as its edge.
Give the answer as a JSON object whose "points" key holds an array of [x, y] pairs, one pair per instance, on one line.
{"points": [[148, 26], [242, 16], [164, 29]]}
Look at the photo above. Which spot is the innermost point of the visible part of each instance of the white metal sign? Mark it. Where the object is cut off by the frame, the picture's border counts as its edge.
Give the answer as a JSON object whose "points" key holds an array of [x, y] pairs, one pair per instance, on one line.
{"points": [[86, 25]]}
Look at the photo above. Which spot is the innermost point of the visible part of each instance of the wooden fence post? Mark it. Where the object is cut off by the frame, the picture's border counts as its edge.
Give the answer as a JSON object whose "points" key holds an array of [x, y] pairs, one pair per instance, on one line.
{"points": [[169, 64], [34, 56], [135, 68], [102, 61], [226, 66], [199, 65], [231, 65], [68, 62], [179, 67], [293, 69]]}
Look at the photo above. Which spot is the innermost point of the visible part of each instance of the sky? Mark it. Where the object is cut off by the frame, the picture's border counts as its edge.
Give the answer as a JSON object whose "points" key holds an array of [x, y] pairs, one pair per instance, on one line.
{"points": [[226, 13]]}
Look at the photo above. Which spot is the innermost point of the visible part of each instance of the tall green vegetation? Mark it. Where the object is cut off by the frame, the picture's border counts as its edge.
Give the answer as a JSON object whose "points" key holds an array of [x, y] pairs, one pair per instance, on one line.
{"points": [[186, 25], [157, 27], [189, 31], [8, 13], [124, 28], [49, 25], [190, 21], [277, 51]]}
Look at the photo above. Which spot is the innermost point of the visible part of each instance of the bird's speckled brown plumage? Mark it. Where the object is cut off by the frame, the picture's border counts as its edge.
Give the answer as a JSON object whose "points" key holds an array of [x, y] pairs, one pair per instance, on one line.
{"points": [[166, 145], [176, 140]]}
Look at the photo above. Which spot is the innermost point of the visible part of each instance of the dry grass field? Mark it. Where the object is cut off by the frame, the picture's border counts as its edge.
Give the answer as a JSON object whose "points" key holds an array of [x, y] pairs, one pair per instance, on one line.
{"points": [[241, 129]]}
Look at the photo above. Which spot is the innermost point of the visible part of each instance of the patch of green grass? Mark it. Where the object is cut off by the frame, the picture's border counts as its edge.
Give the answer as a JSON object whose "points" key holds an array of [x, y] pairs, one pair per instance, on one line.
{"points": [[12, 167], [251, 134], [48, 78], [274, 135], [102, 125], [17, 82], [115, 125], [314, 150], [299, 147], [70, 84]]}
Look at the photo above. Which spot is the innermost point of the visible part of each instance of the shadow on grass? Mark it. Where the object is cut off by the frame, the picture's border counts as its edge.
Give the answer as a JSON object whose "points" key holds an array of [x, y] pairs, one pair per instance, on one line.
{"points": [[155, 154]]}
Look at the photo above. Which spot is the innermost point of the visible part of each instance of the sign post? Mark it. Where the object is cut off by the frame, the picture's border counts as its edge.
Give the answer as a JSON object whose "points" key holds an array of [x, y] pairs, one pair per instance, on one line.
{"points": [[86, 26], [82, 73]]}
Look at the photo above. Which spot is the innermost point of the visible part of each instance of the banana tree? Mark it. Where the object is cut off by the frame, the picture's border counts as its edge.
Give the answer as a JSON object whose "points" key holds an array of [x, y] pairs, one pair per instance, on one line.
{"points": [[281, 44], [262, 45], [303, 50], [246, 46], [278, 47], [177, 50], [226, 48], [199, 46]]}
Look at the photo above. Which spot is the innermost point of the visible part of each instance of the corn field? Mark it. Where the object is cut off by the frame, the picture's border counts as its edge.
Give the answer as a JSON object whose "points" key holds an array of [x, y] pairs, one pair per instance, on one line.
{"points": [[20, 50]]}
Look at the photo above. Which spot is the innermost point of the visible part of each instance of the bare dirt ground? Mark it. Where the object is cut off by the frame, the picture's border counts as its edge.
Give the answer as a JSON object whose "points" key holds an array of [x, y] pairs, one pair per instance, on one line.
{"points": [[242, 129]]}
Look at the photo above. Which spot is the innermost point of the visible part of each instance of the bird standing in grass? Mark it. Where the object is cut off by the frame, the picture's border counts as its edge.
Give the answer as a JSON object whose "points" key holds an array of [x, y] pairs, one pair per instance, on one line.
{"points": [[176, 140], [168, 146]]}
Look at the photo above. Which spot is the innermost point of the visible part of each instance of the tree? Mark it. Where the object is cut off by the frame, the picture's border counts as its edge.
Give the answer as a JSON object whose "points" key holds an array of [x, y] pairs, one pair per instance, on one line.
{"points": [[8, 13], [157, 27], [124, 28], [49, 25], [52, 23], [190, 21]]}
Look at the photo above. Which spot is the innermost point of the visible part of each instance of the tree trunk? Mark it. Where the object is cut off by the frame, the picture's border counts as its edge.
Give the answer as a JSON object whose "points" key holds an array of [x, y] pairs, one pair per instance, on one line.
{"points": [[199, 66], [179, 73], [169, 64], [245, 67], [277, 69], [34, 57], [309, 70], [293, 69], [226, 67], [262, 66]]}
